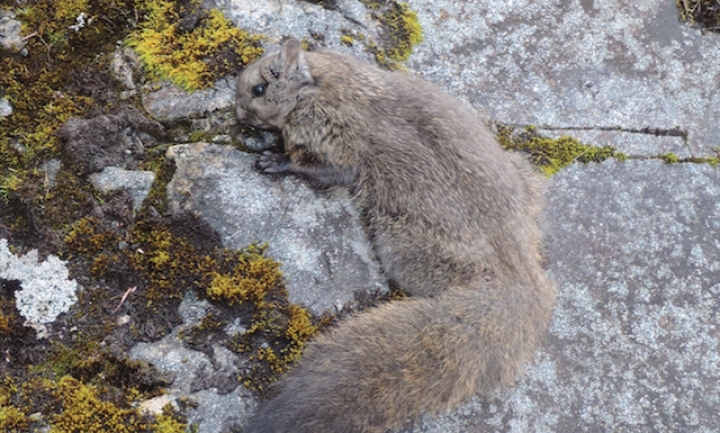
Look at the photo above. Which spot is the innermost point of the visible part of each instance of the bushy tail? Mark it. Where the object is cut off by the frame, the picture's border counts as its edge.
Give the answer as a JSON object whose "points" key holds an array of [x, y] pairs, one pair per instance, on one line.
{"points": [[379, 370]]}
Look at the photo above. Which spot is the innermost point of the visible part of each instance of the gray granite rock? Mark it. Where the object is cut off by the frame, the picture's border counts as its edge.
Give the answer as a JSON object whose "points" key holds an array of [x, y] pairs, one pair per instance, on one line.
{"points": [[278, 18], [576, 64], [6, 108], [136, 182], [197, 377], [316, 236], [634, 342], [10, 29], [170, 103]]}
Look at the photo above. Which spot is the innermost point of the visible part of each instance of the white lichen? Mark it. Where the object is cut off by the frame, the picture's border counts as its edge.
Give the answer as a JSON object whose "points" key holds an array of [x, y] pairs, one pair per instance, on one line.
{"points": [[46, 292], [79, 22]]}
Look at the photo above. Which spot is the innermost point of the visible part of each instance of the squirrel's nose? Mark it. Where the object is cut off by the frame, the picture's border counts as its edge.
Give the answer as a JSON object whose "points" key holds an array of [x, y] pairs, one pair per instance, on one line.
{"points": [[240, 113]]}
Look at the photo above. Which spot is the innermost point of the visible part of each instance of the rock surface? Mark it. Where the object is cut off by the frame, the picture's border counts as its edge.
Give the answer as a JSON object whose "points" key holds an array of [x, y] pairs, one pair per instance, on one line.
{"points": [[197, 377], [303, 20], [136, 182], [170, 103], [10, 28], [576, 64], [316, 236]]}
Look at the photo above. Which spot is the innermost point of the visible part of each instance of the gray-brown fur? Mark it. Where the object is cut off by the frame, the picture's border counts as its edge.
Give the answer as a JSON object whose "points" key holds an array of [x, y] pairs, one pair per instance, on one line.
{"points": [[454, 221]]}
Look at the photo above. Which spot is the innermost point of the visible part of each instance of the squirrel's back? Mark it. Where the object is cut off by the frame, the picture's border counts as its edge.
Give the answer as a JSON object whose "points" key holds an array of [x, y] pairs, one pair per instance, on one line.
{"points": [[454, 221]]}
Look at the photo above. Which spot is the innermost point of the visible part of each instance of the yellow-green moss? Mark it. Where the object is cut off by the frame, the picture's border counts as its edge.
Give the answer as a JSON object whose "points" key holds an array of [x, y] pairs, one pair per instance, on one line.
{"points": [[11, 323], [12, 419], [402, 31], [69, 10], [299, 330], [286, 331], [201, 333], [167, 422], [45, 87], [251, 280], [553, 154], [672, 158], [156, 255], [169, 264], [89, 235], [346, 40], [191, 58], [255, 281], [69, 405], [82, 410]]}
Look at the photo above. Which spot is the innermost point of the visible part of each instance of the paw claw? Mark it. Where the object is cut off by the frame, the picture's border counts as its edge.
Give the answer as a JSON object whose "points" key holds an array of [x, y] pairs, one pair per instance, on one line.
{"points": [[272, 163]]}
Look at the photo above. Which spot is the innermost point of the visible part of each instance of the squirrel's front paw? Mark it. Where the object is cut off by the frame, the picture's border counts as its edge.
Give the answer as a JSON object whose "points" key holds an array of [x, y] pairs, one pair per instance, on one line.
{"points": [[273, 163]]}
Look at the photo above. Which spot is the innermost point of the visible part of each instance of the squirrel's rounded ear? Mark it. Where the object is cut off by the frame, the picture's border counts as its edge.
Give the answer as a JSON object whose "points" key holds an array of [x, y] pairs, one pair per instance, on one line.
{"points": [[292, 62], [271, 50]]}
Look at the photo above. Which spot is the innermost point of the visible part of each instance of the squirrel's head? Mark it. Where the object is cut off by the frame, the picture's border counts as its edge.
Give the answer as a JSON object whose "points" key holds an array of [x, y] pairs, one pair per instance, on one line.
{"points": [[269, 89]]}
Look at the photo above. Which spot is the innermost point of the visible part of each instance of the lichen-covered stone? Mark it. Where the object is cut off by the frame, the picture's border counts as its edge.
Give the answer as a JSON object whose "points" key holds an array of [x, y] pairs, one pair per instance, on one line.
{"points": [[46, 292], [317, 237]]}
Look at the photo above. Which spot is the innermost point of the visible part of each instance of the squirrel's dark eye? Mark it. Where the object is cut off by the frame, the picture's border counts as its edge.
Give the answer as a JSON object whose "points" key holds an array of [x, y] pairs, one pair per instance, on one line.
{"points": [[259, 90]]}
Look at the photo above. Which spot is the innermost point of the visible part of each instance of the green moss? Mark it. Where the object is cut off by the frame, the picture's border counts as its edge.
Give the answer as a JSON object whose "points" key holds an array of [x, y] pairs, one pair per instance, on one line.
{"points": [[552, 155], [402, 31], [70, 405], [46, 87], [284, 335], [251, 280], [83, 410], [346, 40], [671, 158], [200, 333], [167, 422], [192, 58], [704, 13], [12, 419]]}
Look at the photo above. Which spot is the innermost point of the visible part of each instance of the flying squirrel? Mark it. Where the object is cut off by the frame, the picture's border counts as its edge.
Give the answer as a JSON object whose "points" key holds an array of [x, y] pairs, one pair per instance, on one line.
{"points": [[454, 220]]}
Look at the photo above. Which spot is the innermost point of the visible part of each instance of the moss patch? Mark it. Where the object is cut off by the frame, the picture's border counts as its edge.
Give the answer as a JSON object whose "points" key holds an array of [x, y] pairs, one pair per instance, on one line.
{"points": [[703, 13], [58, 77], [402, 31], [182, 42], [168, 257], [551, 155], [671, 158], [70, 406]]}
